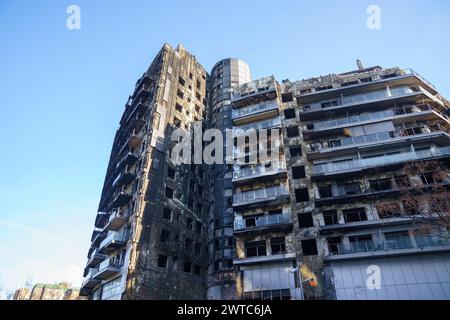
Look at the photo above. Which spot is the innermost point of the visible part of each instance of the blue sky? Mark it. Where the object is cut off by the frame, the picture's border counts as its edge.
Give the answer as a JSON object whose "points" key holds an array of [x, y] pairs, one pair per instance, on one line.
{"points": [[62, 92]]}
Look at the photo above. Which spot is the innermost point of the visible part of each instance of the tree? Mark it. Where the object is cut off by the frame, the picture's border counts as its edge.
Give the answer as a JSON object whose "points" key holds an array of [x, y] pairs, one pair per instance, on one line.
{"points": [[424, 195]]}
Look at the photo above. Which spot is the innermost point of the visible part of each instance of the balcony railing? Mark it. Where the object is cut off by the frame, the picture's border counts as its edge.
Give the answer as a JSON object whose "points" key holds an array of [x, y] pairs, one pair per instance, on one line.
{"points": [[117, 219], [266, 124], [397, 243], [108, 268], [113, 242], [376, 137], [265, 194], [253, 109], [262, 221], [240, 173], [373, 116], [355, 164]]}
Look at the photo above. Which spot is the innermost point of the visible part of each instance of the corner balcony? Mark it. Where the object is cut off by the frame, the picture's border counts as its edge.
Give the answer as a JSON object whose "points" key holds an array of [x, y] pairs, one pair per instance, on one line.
{"points": [[95, 258], [252, 127], [281, 221], [113, 242], [265, 196], [388, 247], [258, 171], [350, 145], [256, 112], [117, 219], [132, 142], [108, 269], [330, 170]]}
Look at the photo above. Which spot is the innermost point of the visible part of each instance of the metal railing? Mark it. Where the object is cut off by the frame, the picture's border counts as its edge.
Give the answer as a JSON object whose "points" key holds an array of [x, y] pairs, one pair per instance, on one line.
{"points": [[390, 244], [260, 195], [255, 108], [262, 221], [266, 124], [377, 137], [342, 166], [259, 169], [374, 116]]}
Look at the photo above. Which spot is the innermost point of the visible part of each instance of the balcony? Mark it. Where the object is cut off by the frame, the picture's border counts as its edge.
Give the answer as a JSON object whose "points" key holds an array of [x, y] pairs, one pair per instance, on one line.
{"points": [[107, 269], [101, 219], [124, 178], [244, 174], [416, 112], [367, 101], [95, 258], [252, 127], [352, 144], [330, 169], [268, 221], [404, 77], [97, 237], [133, 141], [254, 91], [260, 196], [120, 199], [388, 247], [90, 281], [255, 112], [117, 219], [113, 242], [265, 259]]}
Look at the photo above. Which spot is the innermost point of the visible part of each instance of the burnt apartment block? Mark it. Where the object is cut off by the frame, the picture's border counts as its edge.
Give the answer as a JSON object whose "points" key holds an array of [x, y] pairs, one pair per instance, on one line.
{"points": [[307, 225]]}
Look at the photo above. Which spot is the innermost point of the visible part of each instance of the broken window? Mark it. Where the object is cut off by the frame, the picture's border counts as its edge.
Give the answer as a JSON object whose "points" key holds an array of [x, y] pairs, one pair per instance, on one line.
{"points": [[429, 178], [380, 185], [180, 94], [255, 249], [165, 235], [295, 151], [325, 191], [171, 173], [181, 81], [292, 132], [197, 270], [289, 113], [169, 193], [189, 223], [198, 227], [309, 247], [298, 172], [355, 215], [162, 261], [287, 97], [167, 214], [178, 107], [330, 217], [187, 267], [334, 244], [188, 244], [278, 245], [305, 220], [302, 195]]}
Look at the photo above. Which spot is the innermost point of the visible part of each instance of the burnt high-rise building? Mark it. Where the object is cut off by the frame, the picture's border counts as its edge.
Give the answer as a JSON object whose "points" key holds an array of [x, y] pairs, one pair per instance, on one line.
{"points": [[327, 219]]}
